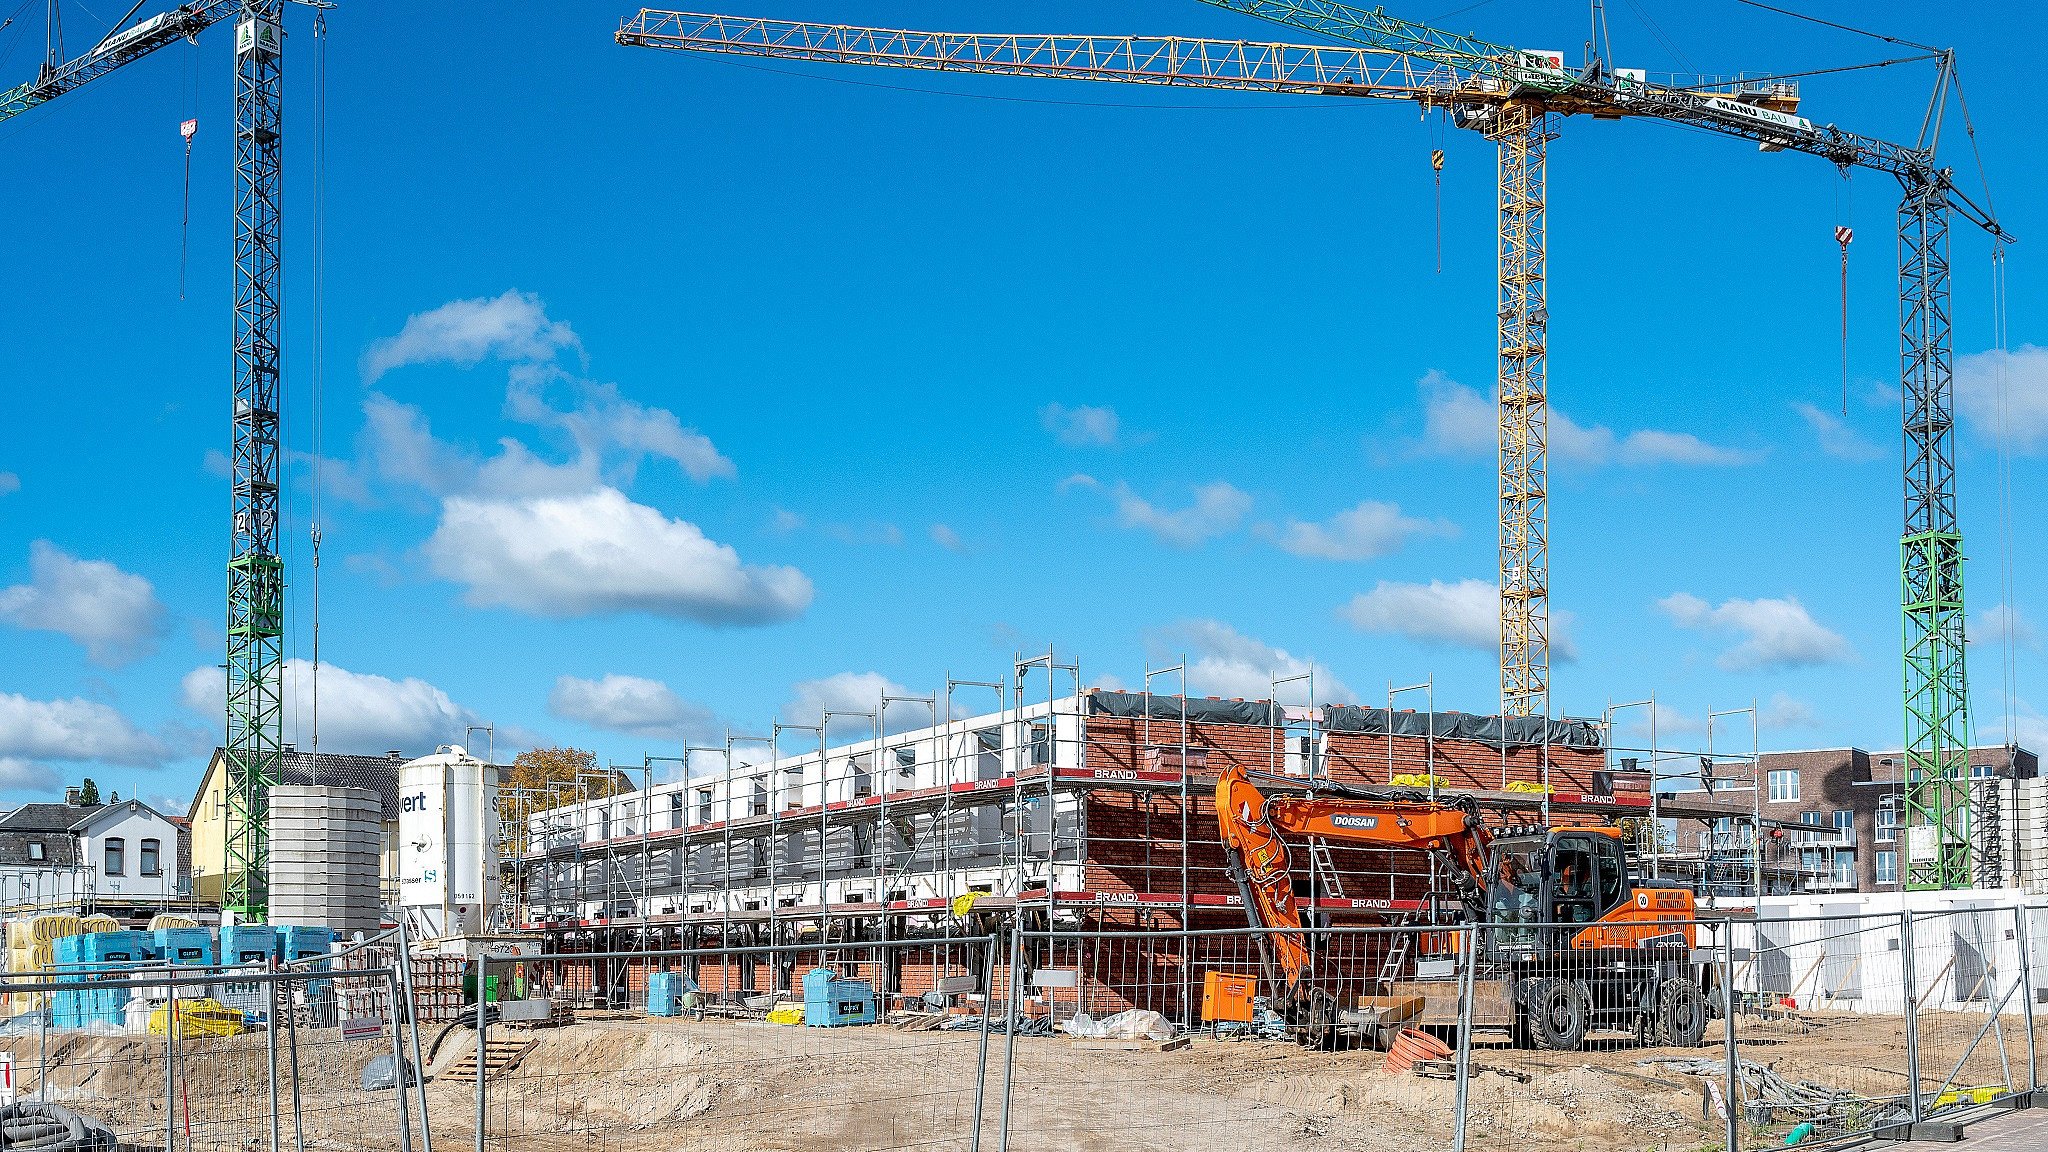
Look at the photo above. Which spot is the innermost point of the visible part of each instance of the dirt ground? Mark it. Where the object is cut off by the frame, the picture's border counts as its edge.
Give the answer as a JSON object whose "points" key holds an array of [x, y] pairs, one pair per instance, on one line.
{"points": [[638, 1085]]}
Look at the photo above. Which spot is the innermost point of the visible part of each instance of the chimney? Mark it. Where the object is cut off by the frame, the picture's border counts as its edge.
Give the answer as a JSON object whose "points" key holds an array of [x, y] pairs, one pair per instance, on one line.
{"points": [[74, 796], [395, 754]]}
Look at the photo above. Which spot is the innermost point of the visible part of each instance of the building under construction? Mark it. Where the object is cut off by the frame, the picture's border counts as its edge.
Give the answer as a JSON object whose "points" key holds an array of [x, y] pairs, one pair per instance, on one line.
{"points": [[1091, 811]]}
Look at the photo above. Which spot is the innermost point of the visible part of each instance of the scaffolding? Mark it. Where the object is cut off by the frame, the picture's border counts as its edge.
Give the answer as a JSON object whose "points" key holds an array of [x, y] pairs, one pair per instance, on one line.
{"points": [[1063, 808]]}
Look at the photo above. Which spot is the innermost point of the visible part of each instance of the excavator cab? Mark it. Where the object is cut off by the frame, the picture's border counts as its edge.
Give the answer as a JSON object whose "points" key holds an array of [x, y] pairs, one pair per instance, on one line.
{"points": [[1541, 886]]}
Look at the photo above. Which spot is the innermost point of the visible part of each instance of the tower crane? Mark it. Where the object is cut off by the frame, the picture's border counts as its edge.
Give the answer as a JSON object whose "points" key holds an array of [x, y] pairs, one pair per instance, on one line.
{"points": [[254, 746], [1511, 96]]}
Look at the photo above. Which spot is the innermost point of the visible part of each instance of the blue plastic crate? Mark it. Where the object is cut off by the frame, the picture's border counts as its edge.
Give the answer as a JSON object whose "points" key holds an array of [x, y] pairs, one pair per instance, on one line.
{"points": [[830, 1002], [183, 946], [248, 944]]}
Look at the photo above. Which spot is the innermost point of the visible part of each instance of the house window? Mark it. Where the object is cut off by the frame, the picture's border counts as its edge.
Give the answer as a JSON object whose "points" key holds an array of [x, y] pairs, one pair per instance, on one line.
{"points": [[1810, 820], [117, 856], [1887, 867], [1845, 869], [151, 850], [676, 816], [703, 805], [1784, 785], [1845, 823], [1887, 824], [906, 760], [1981, 771], [36, 850]]}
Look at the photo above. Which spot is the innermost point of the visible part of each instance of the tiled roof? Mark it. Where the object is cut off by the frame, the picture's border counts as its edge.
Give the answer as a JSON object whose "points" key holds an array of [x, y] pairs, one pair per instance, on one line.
{"points": [[47, 817], [379, 774]]}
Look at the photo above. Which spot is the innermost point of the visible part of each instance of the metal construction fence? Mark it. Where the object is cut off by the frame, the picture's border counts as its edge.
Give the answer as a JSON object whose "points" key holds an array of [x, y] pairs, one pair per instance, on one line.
{"points": [[207, 1057], [1713, 1034]]}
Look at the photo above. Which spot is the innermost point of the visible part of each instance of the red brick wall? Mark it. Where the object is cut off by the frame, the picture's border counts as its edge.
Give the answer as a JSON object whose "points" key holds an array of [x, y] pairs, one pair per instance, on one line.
{"points": [[1134, 838]]}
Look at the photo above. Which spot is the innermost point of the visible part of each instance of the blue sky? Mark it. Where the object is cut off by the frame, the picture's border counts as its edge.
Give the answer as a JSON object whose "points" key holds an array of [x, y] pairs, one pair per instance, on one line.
{"points": [[662, 393]]}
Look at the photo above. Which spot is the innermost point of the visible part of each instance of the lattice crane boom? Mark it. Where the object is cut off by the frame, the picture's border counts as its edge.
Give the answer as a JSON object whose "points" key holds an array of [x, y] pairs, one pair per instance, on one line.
{"points": [[119, 47], [1321, 70]]}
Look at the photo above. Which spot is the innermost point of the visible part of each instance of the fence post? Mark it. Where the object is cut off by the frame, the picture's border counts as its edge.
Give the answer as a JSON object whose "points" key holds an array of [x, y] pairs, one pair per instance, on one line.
{"points": [[1460, 1108], [1010, 1027], [276, 1103], [988, 991], [1908, 982], [171, 1026], [1732, 1126], [398, 1073], [291, 1040], [482, 976], [412, 1022], [2021, 920]]}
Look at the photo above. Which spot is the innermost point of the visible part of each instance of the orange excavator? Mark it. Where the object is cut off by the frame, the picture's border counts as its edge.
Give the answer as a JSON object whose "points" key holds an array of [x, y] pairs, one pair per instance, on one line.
{"points": [[1569, 942]]}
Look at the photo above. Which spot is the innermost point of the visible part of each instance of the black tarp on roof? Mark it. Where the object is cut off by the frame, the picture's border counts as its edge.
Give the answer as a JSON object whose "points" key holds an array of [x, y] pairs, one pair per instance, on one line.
{"points": [[1492, 731], [1255, 713]]}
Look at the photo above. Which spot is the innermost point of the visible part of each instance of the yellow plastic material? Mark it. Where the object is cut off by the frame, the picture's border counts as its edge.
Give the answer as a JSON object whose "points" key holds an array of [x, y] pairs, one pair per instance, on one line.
{"points": [[98, 922], [1417, 780], [786, 1013], [171, 920], [964, 903], [1972, 1095], [198, 1018], [1528, 786]]}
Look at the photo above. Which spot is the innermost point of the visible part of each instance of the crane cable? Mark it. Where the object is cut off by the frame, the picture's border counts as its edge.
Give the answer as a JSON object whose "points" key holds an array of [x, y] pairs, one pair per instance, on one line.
{"points": [[1845, 211], [2008, 616], [319, 334], [1436, 167]]}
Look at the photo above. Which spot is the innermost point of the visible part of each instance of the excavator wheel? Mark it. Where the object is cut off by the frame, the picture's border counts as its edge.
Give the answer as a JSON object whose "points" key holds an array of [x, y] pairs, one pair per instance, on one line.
{"points": [[1553, 1015], [1681, 1014]]}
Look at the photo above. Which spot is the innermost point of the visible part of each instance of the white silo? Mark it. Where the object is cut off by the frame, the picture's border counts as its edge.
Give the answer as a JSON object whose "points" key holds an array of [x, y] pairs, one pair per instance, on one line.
{"points": [[448, 842]]}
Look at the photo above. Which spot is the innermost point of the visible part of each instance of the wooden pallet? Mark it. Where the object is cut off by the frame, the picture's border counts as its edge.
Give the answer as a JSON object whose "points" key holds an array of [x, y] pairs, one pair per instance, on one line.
{"points": [[500, 1057]]}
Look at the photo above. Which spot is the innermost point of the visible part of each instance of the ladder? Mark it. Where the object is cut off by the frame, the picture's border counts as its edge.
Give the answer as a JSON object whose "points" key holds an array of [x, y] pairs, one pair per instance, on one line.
{"points": [[1324, 868]]}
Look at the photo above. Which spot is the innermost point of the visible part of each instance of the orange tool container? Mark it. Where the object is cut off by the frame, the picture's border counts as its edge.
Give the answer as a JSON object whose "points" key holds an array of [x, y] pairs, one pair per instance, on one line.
{"points": [[1228, 997]]}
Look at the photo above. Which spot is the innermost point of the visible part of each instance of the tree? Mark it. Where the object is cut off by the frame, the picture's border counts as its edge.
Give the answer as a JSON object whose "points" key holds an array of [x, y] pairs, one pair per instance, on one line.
{"points": [[543, 778], [88, 792]]}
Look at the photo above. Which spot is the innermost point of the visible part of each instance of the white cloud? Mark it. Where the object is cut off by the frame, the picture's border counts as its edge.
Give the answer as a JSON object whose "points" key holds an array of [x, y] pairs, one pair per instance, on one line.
{"points": [[361, 713], [601, 420], [1079, 480], [17, 774], [1836, 438], [1225, 662], [854, 692], [1458, 614], [1080, 426], [1461, 421], [114, 614], [1776, 633], [2024, 373], [633, 705], [513, 327], [944, 536], [9, 483], [1373, 529], [74, 730], [1464, 614], [1989, 626], [599, 552], [1218, 508], [1786, 711]]}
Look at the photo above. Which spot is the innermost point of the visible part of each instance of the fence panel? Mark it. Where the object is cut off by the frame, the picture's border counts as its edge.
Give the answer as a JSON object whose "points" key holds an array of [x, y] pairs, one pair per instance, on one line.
{"points": [[709, 1048], [1971, 1004], [193, 1057]]}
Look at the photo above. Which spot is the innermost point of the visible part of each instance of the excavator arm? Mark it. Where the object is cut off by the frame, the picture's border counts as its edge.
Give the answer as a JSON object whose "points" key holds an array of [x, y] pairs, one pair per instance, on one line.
{"points": [[1252, 824]]}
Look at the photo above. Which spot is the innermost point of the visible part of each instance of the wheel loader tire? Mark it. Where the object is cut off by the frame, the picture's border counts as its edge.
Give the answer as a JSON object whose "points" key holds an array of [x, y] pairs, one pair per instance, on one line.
{"points": [[1556, 1015], [1681, 1014]]}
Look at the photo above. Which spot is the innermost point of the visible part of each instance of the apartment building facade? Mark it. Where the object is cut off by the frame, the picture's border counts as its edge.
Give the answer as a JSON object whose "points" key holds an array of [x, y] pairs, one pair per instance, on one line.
{"points": [[1833, 819]]}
